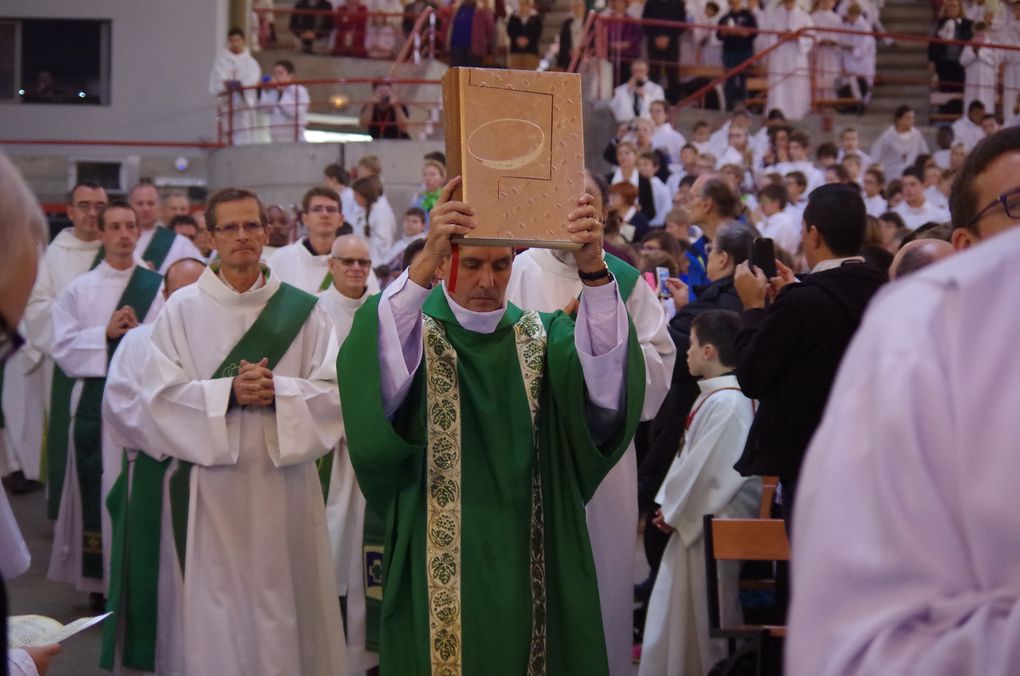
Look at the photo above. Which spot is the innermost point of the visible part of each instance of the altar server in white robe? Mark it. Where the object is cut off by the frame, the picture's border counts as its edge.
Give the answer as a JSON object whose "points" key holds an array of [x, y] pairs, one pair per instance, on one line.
{"points": [[826, 56], [788, 66], [345, 505], [89, 317], [235, 67], [259, 595], [900, 144], [905, 543], [305, 263], [700, 481], [71, 253], [124, 432], [546, 280], [981, 69], [157, 245]]}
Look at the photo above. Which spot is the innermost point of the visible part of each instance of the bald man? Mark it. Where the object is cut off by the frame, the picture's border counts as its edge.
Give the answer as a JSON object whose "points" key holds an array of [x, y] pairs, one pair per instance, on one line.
{"points": [[351, 267], [157, 246], [918, 254], [122, 436]]}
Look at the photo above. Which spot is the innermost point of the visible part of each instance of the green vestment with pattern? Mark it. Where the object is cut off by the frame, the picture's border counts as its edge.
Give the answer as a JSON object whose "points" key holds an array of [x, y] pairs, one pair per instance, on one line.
{"points": [[481, 478]]}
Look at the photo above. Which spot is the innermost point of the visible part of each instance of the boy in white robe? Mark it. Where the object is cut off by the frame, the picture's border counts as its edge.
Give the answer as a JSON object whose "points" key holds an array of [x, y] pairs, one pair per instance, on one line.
{"points": [[981, 69], [788, 66], [700, 481], [259, 597], [546, 280], [90, 317], [351, 267]]}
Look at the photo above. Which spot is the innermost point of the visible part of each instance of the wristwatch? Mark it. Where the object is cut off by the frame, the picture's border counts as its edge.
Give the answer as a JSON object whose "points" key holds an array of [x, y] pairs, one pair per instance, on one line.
{"points": [[595, 276]]}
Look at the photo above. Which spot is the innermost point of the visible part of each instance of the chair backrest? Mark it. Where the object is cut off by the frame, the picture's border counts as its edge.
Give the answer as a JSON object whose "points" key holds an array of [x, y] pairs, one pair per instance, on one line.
{"points": [[768, 492], [739, 540]]}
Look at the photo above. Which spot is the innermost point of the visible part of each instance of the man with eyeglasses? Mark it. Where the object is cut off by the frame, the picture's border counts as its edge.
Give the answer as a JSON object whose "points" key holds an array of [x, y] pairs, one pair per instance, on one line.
{"points": [[351, 268], [90, 317], [906, 539], [157, 245], [305, 263], [34, 389], [240, 388]]}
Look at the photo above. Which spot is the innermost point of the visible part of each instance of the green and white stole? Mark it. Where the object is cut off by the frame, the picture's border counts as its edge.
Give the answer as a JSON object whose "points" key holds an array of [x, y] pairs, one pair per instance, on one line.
{"points": [[443, 493], [58, 428], [137, 514], [141, 290], [159, 247]]}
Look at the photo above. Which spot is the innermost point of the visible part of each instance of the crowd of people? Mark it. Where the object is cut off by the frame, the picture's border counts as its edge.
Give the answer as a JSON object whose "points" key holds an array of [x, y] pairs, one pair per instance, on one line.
{"points": [[211, 485]]}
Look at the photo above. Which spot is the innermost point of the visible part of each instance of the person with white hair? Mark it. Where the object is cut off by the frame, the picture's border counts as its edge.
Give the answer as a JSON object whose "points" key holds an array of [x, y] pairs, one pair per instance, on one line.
{"points": [[22, 234]]}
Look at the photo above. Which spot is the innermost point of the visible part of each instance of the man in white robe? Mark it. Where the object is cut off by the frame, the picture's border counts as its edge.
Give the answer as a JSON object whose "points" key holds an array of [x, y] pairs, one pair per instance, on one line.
{"points": [[305, 263], [123, 435], [905, 541], [71, 253], [235, 67], [351, 267], [788, 66], [546, 280], [89, 317], [916, 209], [259, 596], [158, 246], [700, 481], [899, 145], [286, 103]]}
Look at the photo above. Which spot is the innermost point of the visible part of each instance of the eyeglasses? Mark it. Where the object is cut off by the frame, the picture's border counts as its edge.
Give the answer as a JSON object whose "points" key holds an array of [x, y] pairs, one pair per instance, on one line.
{"points": [[1010, 202], [10, 340], [324, 209], [351, 262], [250, 228]]}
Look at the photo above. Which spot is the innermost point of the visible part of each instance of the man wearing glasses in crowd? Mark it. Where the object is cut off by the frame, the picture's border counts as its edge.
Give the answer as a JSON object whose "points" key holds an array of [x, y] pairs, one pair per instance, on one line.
{"points": [[305, 263], [915, 462]]}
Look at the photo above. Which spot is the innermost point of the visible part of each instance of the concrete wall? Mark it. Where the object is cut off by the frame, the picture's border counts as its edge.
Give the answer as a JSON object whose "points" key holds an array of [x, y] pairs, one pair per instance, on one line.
{"points": [[161, 55]]}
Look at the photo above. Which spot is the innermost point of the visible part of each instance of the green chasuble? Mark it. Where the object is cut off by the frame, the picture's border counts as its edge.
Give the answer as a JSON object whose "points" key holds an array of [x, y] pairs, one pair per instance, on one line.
{"points": [[488, 567]]}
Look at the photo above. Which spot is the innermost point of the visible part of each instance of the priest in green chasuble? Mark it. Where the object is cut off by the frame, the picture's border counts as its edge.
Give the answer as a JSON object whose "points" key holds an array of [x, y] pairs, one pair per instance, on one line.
{"points": [[478, 431]]}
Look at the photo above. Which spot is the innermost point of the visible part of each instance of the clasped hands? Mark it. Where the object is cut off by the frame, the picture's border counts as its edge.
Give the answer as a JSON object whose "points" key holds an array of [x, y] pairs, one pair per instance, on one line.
{"points": [[121, 321], [253, 385]]}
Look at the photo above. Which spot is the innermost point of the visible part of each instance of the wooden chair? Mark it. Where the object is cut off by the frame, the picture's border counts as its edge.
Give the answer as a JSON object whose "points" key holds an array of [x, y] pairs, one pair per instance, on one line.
{"points": [[742, 540], [768, 493]]}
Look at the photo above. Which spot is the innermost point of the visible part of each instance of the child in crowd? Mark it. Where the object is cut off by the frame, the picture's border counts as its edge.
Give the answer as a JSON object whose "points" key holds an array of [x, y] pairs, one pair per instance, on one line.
{"points": [[700, 137], [648, 166], [700, 481]]}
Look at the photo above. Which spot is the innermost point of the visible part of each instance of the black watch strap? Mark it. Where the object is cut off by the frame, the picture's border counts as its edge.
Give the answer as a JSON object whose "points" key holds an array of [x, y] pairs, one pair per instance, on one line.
{"points": [[594, 276]]}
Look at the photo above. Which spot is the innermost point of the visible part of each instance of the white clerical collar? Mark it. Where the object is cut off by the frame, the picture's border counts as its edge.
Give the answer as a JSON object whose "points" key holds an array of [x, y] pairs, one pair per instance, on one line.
{"points": [[835, 263], [707, 385], [353, 303], [479, 322], [260, 281], [68, 240], [108, 270]]}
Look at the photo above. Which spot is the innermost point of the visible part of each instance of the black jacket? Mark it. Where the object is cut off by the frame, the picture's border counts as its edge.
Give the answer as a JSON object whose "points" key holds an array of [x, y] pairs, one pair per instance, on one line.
{"points": [[942, 52], [668, 424], [664, 10], [530, 28], [787, 358], [731, 41]]}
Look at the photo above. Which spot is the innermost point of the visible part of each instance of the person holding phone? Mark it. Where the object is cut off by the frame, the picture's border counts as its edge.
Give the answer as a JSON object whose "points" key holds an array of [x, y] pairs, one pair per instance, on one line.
{"points": [[635, 96], [794, 333]]}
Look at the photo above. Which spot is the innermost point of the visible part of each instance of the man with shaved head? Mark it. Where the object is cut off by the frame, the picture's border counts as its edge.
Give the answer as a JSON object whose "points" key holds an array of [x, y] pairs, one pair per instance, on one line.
{"points": [[479, 430], [918, 254], [122, 426], [351, 267], [158, 246]]}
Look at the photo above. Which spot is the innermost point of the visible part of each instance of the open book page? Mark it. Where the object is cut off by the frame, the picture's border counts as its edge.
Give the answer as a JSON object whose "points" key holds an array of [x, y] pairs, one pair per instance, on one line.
{"points": [[26, 631]]}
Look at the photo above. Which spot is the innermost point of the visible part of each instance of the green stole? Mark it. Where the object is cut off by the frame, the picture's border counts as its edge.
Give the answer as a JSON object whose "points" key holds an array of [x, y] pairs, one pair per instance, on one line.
{"points": [[159, 246], [137, 513], [58, 428], [141, 290]]}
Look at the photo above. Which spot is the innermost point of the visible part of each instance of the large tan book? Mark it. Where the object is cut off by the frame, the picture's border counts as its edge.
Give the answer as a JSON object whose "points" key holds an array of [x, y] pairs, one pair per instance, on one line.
{"points": [[516, 139]]}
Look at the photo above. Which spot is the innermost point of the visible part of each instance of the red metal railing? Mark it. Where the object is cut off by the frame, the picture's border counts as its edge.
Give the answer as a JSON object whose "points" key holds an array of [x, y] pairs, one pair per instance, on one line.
{"points": [[236, 128], [412, 45]]}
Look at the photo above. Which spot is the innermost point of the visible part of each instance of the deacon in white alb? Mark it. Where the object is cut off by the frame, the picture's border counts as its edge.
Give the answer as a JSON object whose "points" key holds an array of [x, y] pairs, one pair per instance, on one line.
{"points": [[158, 246], [124, 434], [240, 387], [546, 280], [345, 505], [71, 253], [90, 316]]}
